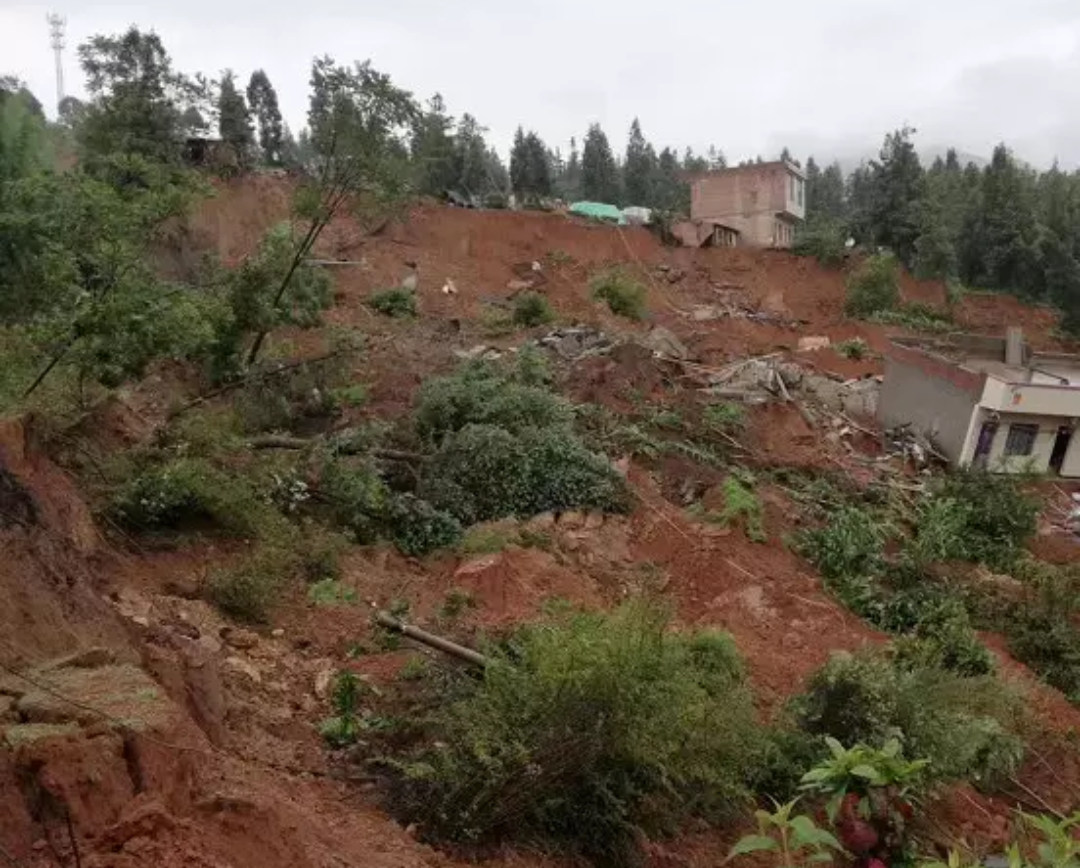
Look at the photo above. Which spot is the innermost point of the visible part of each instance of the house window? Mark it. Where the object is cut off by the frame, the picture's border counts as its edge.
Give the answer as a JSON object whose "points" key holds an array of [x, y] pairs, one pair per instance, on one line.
{"points": [[1021, 440], [801, 186]]}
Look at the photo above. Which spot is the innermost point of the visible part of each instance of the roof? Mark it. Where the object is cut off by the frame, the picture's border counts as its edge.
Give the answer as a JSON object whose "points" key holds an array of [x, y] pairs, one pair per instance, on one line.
{"points": [[978, 354], [598, 211], [749, 167]]}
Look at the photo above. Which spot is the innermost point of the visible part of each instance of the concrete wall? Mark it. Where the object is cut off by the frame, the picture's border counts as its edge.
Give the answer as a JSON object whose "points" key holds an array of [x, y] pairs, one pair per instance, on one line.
{"points": [[935, 406], [1039, 460]]}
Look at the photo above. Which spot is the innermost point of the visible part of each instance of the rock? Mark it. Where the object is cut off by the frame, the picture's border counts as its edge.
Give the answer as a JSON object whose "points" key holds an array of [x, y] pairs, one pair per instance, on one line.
{"points": [[811, 343], [543, 521], [239, 638], [594, 520], [323, 678], [89, 658], [277, 633], [663, 342], [571, 520], [519, 285], [242, 667]]}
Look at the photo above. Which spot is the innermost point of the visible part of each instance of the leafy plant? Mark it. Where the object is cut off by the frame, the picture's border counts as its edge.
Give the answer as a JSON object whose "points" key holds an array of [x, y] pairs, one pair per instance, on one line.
{"points": [[624, 295], [794, 840], [855, 349], [741, 503], [455, 602], [419, 528], [824, 240], [1043, 842], [343, 727], [483, 473], [395, 303], [869, 796], [532, 309], [330, 592], [617, 724], [873, 287], [967, 727], [852, 544], [724, 416], [250, 590]]}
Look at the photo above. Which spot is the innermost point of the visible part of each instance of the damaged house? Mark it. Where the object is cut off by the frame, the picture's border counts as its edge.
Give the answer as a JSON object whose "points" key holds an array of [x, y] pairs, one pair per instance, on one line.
{"points": [[987, 402]]}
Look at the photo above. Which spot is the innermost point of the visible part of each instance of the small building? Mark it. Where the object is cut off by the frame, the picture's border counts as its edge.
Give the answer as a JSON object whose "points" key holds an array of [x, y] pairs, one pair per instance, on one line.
{"points": [[760, 204], [987, 402]]}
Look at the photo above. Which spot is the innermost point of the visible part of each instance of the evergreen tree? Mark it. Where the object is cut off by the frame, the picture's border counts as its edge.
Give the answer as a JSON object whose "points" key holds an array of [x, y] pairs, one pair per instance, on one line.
{"points": [[599, 174], [824, 192], [716, 158], [568, 182], [671, 193], [432, 149], [693, 164], [263, 101], [641, 169], [234, 119], [530, 168], [898, 187]]}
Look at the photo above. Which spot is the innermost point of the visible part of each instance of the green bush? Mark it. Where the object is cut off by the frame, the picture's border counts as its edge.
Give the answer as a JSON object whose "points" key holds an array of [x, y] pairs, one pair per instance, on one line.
{"points": [[1041, 630], [742, 505], [187, 492], [395, 303], [418, 528], [855, 349], [936, 632], [967, 727], [724, 417], [278, 402], [916, 317], [482, 473], [357, 497], [485, 394], [977, 516], [873, 287], [624, 295], [532, 309], [587, 732], [249, 591], [822, 239], [851, 545]]}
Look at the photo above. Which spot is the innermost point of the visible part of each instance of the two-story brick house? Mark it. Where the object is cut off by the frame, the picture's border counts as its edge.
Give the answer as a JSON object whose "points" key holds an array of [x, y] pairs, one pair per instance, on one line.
{"points": [[758, 204]]}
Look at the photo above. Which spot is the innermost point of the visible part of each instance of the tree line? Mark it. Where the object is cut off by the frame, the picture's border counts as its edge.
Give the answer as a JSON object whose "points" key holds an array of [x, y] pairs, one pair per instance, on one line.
{"points": [[1005, 226]]}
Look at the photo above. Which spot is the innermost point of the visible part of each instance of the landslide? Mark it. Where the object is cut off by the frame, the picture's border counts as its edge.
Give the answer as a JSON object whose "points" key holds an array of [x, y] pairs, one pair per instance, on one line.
{"points": [[170, 735]]}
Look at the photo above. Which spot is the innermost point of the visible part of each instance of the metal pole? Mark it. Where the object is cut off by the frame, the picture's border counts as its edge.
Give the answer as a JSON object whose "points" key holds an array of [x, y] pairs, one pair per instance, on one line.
{"points": [[57, 23]]}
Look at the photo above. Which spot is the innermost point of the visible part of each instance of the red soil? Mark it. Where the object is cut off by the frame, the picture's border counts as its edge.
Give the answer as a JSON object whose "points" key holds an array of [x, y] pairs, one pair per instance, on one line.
{"points": [[230, 772]]}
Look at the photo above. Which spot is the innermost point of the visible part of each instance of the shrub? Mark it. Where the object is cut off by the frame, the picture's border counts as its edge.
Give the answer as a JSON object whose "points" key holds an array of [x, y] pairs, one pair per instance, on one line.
{"points": [[978, 516], [278, 402], [483, 394], [343, 727], [855, 349], [1042, 632], [916, 317], [824, 240], [249, 591], [852, 544], [624, 295], [357, 497], [397, 303], [940, 635], [482, 473], [873, 287], [418, 528], [966, 727], [532, 309], [593, 729], [741, 504], [185, 491], [724, 416]]}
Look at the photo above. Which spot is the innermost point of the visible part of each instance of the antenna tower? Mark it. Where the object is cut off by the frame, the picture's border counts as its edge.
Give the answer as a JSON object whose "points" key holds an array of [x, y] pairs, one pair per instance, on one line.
{"points": [[57, 23]]}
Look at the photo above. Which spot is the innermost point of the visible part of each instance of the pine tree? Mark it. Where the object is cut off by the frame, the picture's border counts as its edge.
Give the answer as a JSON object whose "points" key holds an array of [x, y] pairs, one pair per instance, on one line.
{"points": [[568, 184], [672, 193], [640, 170], [599, 174], [432, 149], [530, 167], [263, 101], [898, 187], [471, 158], [824, 192], [519, 158], [234, 119]]}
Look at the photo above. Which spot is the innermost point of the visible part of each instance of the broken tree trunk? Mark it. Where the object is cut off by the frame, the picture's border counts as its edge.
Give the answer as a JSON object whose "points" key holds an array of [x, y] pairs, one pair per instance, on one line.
{"points": [[385, 619]]}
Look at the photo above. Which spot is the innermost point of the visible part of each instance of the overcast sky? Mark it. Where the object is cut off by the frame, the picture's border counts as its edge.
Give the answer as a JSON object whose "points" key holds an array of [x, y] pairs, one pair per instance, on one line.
{"points": [[827, 77]]}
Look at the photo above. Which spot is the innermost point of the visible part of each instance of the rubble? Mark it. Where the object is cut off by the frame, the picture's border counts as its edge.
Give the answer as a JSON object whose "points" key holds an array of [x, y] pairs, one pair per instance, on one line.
{"points": [[571, 342], [663, 342], [912, 445], [811, 343]]}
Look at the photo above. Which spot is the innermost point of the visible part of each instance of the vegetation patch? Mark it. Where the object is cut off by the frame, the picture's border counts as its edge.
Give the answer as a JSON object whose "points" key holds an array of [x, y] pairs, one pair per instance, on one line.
{"points": [[624, 295], [395, 303], [532, 309], [873, 287], [619, 725]]}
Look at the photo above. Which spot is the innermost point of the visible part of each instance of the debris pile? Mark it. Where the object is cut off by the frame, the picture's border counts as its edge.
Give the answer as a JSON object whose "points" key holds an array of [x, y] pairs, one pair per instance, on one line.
{"points": [[912, 445], [571, 342], [732, 305]]}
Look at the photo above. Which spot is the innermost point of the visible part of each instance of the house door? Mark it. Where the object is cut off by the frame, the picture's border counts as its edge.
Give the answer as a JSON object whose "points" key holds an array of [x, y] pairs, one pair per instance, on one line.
{"points": [[1061, 448], [985, 444]]}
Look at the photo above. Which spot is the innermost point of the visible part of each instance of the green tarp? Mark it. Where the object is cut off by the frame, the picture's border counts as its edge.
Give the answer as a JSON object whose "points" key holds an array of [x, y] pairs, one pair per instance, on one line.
{"points": [[599, 211]]}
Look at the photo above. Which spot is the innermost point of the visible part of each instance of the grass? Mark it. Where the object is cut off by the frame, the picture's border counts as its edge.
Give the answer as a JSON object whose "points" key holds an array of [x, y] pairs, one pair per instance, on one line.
{"points": [[395, 303], [624, 295]]}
